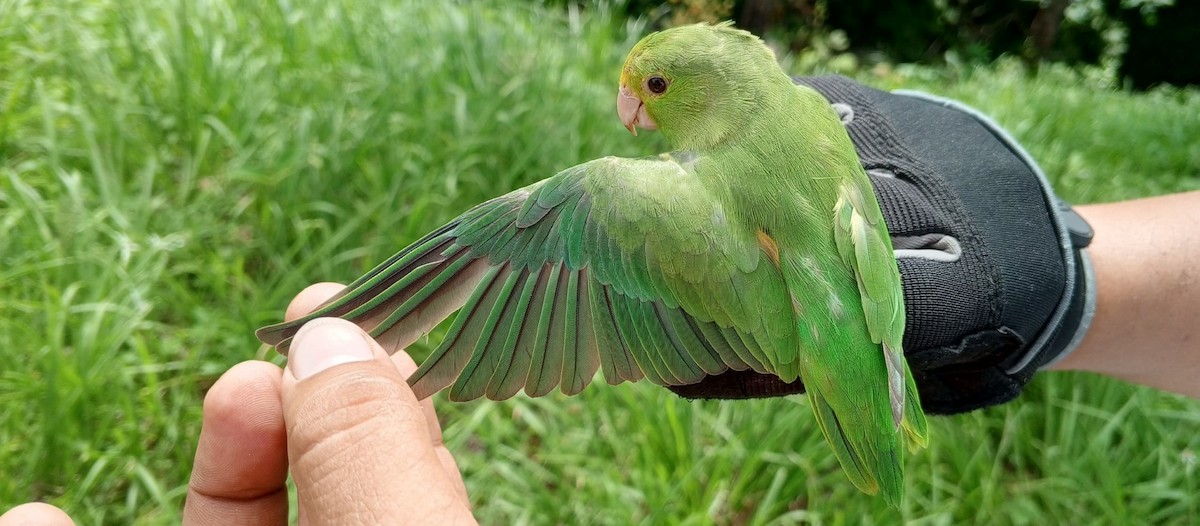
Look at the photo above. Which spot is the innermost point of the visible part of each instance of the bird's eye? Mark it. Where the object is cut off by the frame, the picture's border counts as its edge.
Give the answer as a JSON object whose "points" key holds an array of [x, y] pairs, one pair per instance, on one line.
{"points": [[656, 85]]}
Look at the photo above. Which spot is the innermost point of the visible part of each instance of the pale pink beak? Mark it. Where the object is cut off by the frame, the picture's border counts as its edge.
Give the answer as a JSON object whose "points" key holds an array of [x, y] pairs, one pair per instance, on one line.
{"points": [[633, 112]]}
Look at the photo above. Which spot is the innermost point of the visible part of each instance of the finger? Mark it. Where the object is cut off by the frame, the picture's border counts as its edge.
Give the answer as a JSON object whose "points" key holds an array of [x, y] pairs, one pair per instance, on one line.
{"points": [[316, 294], [450, 467], [358, 440], [406, 366], [240, 470], [310, 298], [35, 514], [313, 296]]}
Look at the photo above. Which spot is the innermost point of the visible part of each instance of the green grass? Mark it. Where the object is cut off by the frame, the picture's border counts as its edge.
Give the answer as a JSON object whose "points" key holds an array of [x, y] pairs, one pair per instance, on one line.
{"points": [[172, 172]]}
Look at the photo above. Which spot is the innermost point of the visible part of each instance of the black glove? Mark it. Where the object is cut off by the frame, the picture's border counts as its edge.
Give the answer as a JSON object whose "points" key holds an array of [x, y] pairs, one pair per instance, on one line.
{"points": [[996, 283]]}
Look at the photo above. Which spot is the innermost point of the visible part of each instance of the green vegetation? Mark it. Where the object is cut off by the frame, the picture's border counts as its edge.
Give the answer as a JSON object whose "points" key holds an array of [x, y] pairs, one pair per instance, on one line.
{"points": [[172, 172]]}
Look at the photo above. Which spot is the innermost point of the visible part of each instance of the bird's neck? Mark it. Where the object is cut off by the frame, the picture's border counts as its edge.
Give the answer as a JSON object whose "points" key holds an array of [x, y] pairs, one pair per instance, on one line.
{"points": [[778, 163]]}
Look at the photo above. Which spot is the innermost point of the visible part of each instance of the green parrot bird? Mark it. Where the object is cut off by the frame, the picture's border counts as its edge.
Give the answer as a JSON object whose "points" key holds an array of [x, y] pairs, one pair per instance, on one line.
{"points": [[757, 243]]}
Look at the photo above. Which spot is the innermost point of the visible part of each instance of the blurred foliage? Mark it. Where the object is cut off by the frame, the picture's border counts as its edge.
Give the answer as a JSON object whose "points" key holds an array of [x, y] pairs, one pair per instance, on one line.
{"points": [[1161, 43], [693, 11], [1143, 42]]}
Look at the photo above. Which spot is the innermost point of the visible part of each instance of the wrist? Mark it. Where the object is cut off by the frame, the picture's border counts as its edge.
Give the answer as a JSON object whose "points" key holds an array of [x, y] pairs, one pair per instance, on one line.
{"points": [[1144, 328]]}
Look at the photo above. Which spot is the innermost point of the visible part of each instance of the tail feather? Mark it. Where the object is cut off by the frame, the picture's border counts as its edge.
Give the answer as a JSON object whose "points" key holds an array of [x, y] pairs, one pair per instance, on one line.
{"points": [[893, 357], [871, 469], [852, 461], [916, 430]]}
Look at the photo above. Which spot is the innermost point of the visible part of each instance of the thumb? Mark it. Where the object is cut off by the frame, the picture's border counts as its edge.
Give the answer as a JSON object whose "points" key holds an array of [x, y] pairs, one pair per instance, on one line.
{"points": [[358, 444]]}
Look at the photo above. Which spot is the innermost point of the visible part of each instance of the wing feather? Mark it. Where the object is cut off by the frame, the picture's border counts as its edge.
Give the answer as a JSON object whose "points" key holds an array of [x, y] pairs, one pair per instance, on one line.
{"points": [[678, 360], [863, 243], [622, 265], [507, 382], [546, 363], [685, 336], [587, 359], [513, 367], [487, 353], [623, 366], [628, 322], [464, 334]]}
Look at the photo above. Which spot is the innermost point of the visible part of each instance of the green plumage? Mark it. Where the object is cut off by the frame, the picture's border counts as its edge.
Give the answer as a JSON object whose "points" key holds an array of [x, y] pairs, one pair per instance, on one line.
{"points": [[757, 245]]}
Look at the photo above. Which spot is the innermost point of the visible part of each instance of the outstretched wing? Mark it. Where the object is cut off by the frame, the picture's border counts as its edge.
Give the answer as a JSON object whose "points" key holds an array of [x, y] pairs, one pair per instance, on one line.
{"points": [[626, 265], [863, 243]]}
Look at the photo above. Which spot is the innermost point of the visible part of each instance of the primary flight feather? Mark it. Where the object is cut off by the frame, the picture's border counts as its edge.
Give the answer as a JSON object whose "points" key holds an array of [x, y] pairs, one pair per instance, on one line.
{"points": [[756, 244]]}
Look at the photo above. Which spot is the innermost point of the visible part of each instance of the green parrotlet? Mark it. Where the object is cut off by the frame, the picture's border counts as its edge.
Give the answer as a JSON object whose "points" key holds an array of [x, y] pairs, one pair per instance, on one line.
{"points": [[757, 243]]}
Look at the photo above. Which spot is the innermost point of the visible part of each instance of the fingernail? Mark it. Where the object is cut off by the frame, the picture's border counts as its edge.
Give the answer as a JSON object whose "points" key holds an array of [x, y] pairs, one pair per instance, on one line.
{"points": [[324, 343]]}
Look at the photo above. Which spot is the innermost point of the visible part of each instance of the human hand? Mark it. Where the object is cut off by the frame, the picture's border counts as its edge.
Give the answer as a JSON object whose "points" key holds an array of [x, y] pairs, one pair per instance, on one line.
{"points": [[360, 447], [994, 283]]}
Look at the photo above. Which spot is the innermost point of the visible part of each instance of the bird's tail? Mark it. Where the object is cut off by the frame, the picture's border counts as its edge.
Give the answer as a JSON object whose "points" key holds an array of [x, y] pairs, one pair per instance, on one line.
{"points": [[869, 454], [916, 431]]}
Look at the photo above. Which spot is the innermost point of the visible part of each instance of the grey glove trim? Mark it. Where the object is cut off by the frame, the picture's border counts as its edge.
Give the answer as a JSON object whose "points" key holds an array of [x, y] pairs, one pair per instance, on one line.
{"points": [[934, 247], [1089, 311], [1058, 216]]}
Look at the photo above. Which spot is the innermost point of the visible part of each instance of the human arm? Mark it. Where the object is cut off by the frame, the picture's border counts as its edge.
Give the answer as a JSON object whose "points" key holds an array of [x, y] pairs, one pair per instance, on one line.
{"points": [[1144, 258]]}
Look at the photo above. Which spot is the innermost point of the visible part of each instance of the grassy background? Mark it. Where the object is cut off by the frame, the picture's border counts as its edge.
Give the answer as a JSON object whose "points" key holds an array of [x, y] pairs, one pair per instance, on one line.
{"points": [[172, 172]]}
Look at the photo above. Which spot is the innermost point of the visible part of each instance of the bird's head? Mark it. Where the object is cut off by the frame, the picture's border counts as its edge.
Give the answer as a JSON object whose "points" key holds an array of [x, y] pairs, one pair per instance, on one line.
{"points": [[696, 84]]}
